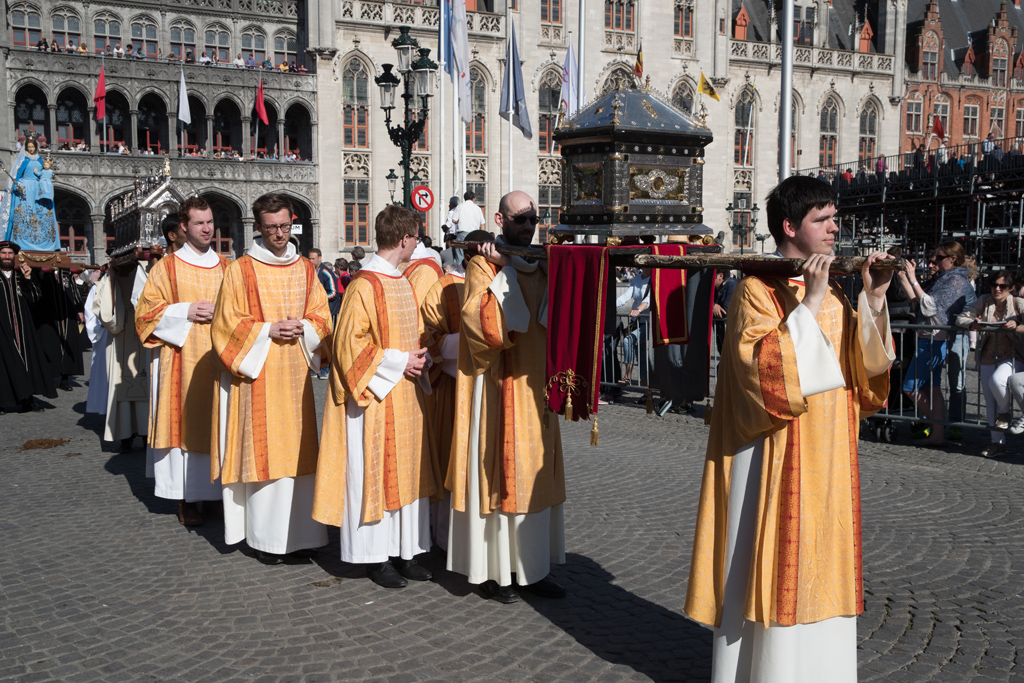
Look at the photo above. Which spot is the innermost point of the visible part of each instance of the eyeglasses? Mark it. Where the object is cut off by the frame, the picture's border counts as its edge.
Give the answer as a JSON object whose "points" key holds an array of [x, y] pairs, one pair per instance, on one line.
{"points": [[522, 218], [1000, 286], [940, 257], [283, 228]]}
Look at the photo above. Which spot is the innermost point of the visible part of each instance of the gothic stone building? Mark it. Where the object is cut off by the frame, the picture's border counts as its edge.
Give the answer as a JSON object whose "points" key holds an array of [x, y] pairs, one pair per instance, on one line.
{"points": [[848, 92]]}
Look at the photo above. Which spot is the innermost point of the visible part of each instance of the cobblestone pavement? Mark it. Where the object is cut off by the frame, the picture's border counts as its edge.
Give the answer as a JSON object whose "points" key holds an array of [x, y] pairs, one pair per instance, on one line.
{"points": [[98, 581]]}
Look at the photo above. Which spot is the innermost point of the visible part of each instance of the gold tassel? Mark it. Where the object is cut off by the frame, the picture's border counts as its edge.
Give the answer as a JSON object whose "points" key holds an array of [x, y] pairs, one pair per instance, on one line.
{"points": [[650, 402], [568, 407], [707, 412], [593, 432]]}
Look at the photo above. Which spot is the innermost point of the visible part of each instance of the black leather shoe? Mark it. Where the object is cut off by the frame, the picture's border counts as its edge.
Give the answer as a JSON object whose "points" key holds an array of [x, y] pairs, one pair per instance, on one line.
{"points": [[65, 384], [506, 595], [545, 588], [412, 570], [126, 445], [385, 575], [268, 558]]}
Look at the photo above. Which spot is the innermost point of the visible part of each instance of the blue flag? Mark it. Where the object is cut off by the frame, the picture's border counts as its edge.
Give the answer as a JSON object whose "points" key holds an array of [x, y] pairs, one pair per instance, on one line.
{"points": [[444, 38], [513, 94]]}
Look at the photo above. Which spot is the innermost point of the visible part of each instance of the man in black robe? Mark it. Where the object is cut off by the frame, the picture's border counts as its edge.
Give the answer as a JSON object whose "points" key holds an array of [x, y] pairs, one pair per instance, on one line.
{"points": [[57, 315], [22, 371]]}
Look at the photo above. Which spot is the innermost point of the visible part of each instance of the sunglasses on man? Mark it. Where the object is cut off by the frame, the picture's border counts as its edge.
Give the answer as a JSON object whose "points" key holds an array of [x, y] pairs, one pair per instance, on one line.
{"points": [[520, 219]]}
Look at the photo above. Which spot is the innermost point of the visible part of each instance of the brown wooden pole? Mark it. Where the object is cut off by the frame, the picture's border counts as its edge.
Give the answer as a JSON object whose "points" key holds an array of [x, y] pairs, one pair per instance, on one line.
{"points": [[765, 265]]}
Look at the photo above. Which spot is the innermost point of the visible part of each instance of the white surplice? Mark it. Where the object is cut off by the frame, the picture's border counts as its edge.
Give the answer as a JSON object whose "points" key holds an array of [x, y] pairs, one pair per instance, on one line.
{"points": [[747, 652], [271, 516], [179, 474], [494, 546], [401, 533]]}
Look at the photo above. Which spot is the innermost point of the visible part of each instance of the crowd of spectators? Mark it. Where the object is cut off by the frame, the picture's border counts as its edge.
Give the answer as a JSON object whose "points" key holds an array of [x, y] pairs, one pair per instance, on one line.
{"points": [[136, 52]]}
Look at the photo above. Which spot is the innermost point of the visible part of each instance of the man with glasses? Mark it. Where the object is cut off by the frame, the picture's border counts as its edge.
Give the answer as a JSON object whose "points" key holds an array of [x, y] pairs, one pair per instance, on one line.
{"points": [[506, 476], [377, 467], [271, 326]]}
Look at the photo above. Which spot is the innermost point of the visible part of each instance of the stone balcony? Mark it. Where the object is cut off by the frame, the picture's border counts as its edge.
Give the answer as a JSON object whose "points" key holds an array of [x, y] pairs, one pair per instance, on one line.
{"points": [[421, 17], [812, 58]]}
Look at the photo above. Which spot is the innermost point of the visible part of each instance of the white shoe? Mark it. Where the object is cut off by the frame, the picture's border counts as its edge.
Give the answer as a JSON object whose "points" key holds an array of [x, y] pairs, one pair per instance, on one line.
{"points": [[1017, 426]]}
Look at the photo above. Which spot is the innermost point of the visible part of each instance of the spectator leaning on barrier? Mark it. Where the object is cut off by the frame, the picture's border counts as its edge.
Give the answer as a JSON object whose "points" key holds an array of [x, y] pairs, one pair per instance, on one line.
{"points": [[1000, 354], [938, 303], [725, 285], [634, 345]]}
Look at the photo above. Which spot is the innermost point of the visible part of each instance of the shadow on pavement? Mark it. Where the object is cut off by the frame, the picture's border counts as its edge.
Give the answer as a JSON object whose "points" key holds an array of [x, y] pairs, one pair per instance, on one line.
{"points": [[132, 466], [623, 628]]}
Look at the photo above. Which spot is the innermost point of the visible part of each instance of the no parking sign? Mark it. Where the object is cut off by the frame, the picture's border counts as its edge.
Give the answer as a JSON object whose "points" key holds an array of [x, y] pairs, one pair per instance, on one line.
{"points": [[422, 198]]}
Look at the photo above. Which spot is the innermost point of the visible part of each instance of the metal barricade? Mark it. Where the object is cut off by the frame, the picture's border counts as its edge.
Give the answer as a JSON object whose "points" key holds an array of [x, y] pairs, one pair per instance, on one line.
{"points": [[923, 364], [628, 358]]}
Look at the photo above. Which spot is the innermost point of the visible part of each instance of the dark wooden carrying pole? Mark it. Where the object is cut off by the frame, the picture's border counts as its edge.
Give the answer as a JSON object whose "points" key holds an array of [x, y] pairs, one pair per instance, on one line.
{"points": [[762, 265]]}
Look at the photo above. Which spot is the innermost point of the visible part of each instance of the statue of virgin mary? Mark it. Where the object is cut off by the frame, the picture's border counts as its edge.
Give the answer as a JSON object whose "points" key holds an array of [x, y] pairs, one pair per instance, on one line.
{"points": [[26, 212]]}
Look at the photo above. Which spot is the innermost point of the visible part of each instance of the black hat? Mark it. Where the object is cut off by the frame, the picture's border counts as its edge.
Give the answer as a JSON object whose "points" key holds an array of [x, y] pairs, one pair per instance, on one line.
{"points": [[7, 244]]}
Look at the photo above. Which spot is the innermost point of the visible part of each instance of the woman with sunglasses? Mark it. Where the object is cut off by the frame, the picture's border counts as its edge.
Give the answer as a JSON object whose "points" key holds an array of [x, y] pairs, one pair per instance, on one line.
{"points": [[1000, 353], [938, 301]]}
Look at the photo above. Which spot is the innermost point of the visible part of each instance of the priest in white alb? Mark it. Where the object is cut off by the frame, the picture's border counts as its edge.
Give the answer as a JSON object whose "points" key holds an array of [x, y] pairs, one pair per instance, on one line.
{"points": [[377, 467], [271, 326], [173, 319]]}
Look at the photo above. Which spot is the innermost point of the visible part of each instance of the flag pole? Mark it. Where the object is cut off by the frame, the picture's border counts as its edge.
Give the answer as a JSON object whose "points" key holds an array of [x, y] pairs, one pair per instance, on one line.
{"points": [[786, 103], [105, 149], [510, 28], [442, 43], [580, 55]]}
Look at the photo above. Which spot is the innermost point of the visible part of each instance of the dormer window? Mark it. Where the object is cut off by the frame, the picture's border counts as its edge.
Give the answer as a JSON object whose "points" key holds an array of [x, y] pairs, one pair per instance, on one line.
{"points": [[930, 57]]}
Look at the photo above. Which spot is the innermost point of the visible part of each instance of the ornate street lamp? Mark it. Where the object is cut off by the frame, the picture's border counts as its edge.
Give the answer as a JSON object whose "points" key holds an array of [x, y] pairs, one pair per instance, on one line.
{"points": [[417, 81], [739, 229], [392, 182]]}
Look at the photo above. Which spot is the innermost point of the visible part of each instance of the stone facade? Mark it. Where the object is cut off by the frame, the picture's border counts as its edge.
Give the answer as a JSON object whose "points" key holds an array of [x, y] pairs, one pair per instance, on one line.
{"points": [[735, 44]]}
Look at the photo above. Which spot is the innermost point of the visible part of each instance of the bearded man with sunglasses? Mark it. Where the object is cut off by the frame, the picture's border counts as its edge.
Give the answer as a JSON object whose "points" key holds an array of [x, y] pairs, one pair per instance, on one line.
{"points": [[271, 326], [506, 474]]}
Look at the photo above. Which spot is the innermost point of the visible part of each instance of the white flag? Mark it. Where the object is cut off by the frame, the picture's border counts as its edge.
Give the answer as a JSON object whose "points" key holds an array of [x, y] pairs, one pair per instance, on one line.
{"points": [[460, 57], [570, 83], [184, 113]]}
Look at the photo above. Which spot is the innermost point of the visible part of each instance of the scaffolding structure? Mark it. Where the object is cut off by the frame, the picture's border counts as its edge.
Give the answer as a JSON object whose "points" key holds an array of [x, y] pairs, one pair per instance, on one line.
{"points": [[972, 193]]}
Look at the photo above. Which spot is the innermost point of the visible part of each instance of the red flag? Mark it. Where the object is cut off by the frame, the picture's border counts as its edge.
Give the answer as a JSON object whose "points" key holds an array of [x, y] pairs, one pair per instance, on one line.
{"points": [[261, 109], [937, 128], [100, 98]]}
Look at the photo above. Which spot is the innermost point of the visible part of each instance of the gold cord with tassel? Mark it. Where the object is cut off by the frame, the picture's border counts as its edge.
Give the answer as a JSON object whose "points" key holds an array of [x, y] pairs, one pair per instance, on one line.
{"points": [[593, 432], [707, 412]]}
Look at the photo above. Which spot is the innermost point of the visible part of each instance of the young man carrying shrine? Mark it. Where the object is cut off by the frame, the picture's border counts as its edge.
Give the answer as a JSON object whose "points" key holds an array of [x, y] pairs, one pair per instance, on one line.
{"points": [[271, 325], [376, 473], [441, 311], [506, 474], [173, 319], [777, 561]]}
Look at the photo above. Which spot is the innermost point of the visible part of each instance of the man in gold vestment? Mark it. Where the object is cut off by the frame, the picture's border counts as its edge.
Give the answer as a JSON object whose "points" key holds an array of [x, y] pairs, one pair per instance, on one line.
{"points": [[173, 319], [376, 475], [506, 474], [777, 561], [271, 326]]}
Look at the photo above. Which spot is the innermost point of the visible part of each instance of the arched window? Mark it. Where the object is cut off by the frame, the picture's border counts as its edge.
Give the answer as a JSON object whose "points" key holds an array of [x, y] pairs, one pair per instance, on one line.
{"points": [[355, 93], [476, 142], [218, 43], [183, 39], [618, 15], [619, 77], [72, 221], [67, 28], [26, 26], [284, 47], [1000, 56], [106, 30], [682, 97], [743, 137], [72, 115], [549, 100], [227, 128], [868, 133], [829, 130], [144, 36], [152, 124], [683, 24], [31, 113], [254, 42], [930, 57]]}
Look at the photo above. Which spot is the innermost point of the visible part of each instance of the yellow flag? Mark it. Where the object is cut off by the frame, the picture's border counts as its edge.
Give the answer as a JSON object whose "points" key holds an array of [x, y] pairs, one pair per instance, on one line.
{"points": [[705, 88]]}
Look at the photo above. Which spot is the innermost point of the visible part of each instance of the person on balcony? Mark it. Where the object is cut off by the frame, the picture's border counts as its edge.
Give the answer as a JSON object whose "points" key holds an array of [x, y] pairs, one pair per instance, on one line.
{"points": [[239, 62], [42, 45], [189, 57], [204, 60], [118, 51]]}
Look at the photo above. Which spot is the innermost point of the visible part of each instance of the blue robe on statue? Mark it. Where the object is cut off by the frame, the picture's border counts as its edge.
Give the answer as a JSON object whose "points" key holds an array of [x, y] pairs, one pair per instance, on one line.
{"points": [[31, 221]]}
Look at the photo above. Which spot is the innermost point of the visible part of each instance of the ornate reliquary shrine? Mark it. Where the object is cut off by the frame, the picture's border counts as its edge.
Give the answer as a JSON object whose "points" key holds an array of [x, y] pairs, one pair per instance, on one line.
{"points": [[136, 215], [632, 168]]}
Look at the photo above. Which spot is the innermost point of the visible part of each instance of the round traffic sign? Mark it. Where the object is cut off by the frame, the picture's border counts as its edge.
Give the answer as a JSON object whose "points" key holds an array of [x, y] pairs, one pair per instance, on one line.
{"points": [[422, 198]]}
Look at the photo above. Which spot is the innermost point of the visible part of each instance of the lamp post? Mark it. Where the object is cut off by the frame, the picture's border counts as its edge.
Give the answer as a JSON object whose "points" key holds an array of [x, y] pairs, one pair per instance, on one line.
{"points": [[392, 183], [739, 229], [417, 81]]}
